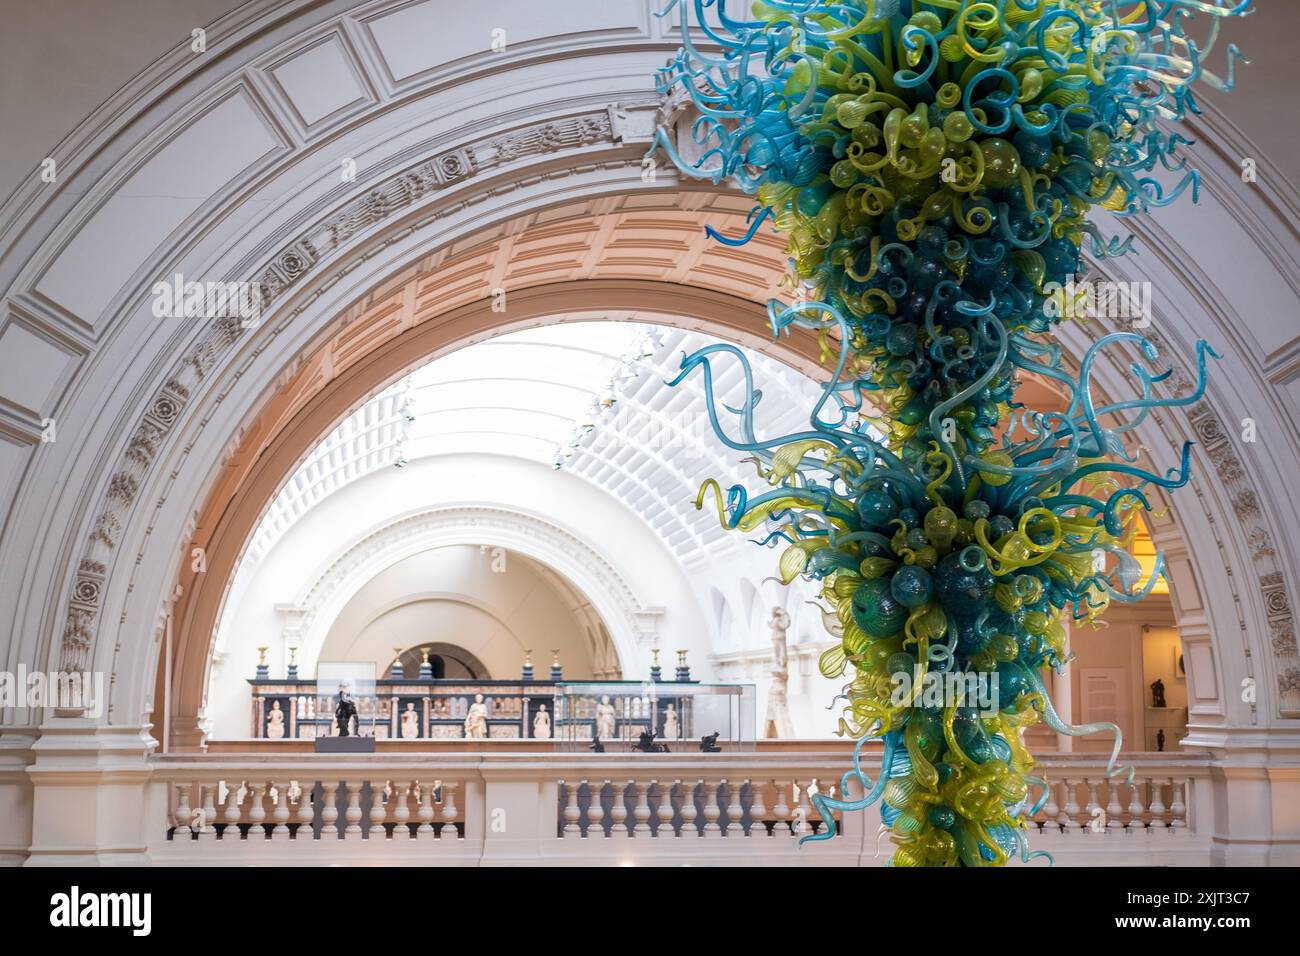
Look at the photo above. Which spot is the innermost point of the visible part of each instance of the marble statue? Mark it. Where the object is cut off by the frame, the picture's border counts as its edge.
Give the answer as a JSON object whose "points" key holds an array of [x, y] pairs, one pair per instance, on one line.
{"points": [[275, 721], [476, 720], [672, 724], [778, 722], [410, 721], [606, 719], [542, 724], [345, 712]]}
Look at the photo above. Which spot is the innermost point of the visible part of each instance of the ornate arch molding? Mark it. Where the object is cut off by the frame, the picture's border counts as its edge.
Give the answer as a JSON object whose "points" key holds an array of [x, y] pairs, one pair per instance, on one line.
{"points": [[235, 514], [631, 623]]}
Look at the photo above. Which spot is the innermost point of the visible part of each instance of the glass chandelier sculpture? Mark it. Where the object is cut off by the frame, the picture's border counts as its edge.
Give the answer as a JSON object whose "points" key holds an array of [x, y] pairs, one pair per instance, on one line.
{"points": [[934, 165]]}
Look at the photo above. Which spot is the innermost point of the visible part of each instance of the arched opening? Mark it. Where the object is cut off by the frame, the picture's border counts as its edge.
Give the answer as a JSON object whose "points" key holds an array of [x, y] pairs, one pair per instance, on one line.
{"points": [[392, 330], [581, 399], [445, 662]]}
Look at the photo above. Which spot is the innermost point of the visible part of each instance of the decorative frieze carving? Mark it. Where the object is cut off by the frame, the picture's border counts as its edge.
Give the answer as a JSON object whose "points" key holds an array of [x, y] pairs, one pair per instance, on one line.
{"points": [[1283, 631], [144, 443], [289, 266], [122, 488], [1246, 504], [1261, 543]]}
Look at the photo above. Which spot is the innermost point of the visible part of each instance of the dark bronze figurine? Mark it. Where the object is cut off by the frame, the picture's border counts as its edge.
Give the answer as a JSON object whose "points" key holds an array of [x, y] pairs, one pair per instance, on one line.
{"points": [[709, 744], [345, 712], [646, 744], [1158, 693]]}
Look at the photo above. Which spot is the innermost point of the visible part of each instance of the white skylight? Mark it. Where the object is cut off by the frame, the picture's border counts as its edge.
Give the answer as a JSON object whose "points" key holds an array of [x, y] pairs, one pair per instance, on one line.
{"points": [[588, 397]]}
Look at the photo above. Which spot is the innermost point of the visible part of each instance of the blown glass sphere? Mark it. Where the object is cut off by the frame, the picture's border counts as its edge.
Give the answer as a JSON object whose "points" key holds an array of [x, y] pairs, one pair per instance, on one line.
{"points": [[875, 609]]}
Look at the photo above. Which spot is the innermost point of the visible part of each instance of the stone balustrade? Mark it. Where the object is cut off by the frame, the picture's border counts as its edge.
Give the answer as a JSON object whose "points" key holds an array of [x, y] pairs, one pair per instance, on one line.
{"points": [[632, 809]]}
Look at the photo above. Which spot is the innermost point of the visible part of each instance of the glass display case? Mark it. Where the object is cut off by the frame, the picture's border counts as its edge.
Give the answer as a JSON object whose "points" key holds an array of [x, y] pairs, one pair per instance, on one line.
{"points": [[351, 682], [675, 715]]}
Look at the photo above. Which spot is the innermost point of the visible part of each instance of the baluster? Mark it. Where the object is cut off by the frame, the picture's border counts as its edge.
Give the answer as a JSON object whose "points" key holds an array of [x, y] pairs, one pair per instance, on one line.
{"points": [[641, 813], [1136, 810], [257, 812], [756, 809], [1114, 809], [781, 809], [401, 812], [329, 812], [804, 813], [811, 815], [731, 813], [449, 811], [1070, 814], [595, 810], [232, 814], [618, 812], [828, 790], [425, 814], [182, 820], [280, 816], [711, 809], [353, 812], [208, 820], [689, 812], [1093, 809], [1158, 821], [571, 812], [1050, 809], [306, 811], [1178, 805], [378, 810], [664, 812]]}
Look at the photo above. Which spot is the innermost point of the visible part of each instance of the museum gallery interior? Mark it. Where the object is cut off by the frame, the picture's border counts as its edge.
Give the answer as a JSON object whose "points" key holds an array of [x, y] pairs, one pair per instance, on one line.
{"points": [[649, 433]]}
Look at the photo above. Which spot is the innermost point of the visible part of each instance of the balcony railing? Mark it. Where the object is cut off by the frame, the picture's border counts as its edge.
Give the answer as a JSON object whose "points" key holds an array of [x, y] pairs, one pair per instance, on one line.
{"points": [[632, 809]]}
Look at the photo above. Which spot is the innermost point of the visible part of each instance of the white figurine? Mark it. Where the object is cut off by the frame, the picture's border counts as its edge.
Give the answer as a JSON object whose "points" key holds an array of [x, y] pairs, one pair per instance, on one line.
{"points": [[672, 726], [542, 724], [606, 719], [476, 720], [275, 721], [410, 721]]}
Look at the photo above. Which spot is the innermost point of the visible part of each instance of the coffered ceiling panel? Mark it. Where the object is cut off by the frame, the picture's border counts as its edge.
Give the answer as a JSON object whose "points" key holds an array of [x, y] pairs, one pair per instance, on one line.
{"points": [[203, 156]]}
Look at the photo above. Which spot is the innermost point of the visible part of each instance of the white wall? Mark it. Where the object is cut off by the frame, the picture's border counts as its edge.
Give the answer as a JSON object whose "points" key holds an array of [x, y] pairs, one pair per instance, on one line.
{"points": [[1118, 645], [495, 606]]}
